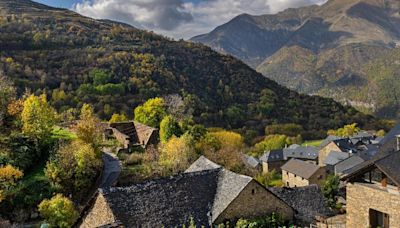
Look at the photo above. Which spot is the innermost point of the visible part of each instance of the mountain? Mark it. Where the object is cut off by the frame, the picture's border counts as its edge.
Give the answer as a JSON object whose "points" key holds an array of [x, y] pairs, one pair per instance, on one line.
{"points": [[322, 50], [115, 67]]}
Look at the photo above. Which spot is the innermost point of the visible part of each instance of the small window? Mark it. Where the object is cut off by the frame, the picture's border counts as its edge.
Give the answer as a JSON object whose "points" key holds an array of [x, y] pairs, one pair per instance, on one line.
{"points": [[253, 191], [295, 175], [378, 219]]}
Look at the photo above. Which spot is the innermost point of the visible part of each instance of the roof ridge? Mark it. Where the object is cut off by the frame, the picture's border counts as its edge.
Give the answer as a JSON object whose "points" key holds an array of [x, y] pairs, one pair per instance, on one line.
{"points": [[152, 183]]}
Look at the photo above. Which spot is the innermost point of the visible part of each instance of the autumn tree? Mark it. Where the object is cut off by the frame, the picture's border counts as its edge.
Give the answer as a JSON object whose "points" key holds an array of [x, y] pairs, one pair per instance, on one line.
{"points": [[177, 154], [58, 211], [115, 118], [38, 117], [74, 167], [88, 128], [224, 148], [8, 178], [151, 112], [346, 131], [169, 127]]}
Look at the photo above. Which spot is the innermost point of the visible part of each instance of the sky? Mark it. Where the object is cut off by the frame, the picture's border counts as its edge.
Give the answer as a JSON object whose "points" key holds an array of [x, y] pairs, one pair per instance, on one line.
{"points": [[176, 18]]}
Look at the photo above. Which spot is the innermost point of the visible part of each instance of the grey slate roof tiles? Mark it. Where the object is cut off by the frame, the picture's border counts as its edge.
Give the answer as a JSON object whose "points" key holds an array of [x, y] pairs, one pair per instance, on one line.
{"points": [[166, 202], [308, 201], [343, 166], [300, 168], [335, 157]]}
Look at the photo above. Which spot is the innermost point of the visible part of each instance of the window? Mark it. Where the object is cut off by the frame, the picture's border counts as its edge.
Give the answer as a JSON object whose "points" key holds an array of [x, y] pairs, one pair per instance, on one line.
{"points": [[378, 219], [253, 191], [295, 175]]}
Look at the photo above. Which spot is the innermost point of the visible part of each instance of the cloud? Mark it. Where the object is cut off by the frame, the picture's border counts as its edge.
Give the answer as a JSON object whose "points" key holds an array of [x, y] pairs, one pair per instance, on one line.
{"points": [[182, 18]]}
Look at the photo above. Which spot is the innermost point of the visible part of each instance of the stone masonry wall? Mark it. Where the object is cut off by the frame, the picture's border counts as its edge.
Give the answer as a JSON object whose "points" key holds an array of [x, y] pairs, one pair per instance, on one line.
{"points": [[362, 197], [294, 181], [100, 214], [254, 202]]}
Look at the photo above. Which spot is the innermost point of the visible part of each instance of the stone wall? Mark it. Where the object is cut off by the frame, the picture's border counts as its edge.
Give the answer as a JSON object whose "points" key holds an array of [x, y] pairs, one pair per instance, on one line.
{"points": [[292, 180], [253, 202], [100, 214], [323, 153], [268, 167], [363, 197]]}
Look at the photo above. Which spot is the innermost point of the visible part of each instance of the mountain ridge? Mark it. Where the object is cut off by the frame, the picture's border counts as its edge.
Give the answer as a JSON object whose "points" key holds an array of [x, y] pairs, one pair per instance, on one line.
{"points": [[274, 44], [59, 52]]}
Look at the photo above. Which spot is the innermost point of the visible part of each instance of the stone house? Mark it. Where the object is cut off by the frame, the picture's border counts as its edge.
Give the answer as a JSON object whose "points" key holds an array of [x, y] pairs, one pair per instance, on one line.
{"points": [[308, 201], [206, 193], [274, 159], [297, 173], [373, 192], [131, 134]]}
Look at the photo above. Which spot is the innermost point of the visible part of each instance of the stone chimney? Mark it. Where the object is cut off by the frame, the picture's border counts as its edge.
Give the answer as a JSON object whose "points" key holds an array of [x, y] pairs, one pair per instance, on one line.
{"points": [[398, 142]]}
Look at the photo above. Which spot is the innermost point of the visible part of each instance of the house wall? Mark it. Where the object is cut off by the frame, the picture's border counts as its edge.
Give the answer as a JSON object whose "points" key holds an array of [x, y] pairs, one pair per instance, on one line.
{"points": [[268, 167], [318, 177], [100, 214], [362, 197], [297, 181], [253, 202], [122, 139], [293, 180], [323, 153]]}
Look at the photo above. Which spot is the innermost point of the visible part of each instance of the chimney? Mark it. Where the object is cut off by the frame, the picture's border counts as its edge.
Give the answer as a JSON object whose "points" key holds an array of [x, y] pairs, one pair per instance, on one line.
{"points": [[398, 142]]}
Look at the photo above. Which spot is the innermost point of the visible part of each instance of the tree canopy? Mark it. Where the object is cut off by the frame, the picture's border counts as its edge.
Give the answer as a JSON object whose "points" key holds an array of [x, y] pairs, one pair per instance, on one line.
{"points": [[59, 211], [151, 112]]}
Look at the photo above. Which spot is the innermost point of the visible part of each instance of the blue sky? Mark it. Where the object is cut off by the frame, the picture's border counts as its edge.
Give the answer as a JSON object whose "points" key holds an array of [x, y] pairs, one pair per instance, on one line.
{"points": [[176, 18]]}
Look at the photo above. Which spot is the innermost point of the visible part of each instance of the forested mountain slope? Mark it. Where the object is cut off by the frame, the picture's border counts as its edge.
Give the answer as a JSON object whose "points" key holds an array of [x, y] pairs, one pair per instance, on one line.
{"points": [[115, 67], [320, 49]]}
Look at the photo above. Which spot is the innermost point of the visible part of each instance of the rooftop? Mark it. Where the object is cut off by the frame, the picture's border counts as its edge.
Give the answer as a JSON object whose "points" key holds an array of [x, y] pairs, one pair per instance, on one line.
{"points": [[308, 201], [300, 168]]}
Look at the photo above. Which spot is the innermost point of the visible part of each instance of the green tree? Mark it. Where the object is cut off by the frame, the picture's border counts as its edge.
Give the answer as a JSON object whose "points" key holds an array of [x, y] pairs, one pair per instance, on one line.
{"points": [[168, 128], [151, 112], [7, 94], [330, 189], [88, 128], [74, 167], [100, 77], [115, 118], [270, 142], [59, 211], [290, 129], [38, 117]]}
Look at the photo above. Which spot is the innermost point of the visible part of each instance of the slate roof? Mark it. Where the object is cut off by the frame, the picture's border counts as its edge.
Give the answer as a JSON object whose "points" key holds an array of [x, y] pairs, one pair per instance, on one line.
{"points": [[345, 145], [230, 184], [308, 201], [251, 161], [174, 199], [387, 162], [389, 142], [390, 165], [329, 139], [343, 166], [301, 152], [273, 155], [300, 168], [335, 157], [136, 132]]}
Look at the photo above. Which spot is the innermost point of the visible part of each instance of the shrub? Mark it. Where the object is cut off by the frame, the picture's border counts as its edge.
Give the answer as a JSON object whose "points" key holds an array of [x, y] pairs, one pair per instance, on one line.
{"points": [[59, 211]]}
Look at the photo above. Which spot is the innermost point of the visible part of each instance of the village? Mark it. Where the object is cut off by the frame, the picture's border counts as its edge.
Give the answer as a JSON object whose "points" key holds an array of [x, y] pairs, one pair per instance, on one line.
{"points": [[207, 194]]}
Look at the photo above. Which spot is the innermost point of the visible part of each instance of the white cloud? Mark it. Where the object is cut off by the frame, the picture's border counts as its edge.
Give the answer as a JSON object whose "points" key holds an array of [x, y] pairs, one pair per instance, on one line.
{"points": [[182, 18]]}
